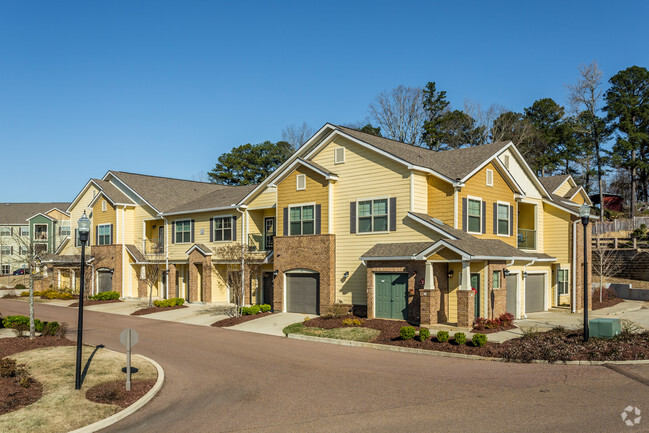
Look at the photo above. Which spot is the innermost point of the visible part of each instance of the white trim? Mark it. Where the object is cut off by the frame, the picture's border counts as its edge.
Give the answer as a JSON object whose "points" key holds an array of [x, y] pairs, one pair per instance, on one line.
{"points": [[412, 191], [431, 226], [526, 167], [330, 208], [175, 224], [183, 212], [470, 197], [485, 291], [509, 222], [232, 223], [110, 235], [34, 216], [131, 189], [387, 208], [367, 259], [301, 220], [336, 152], [196, 247], [456, 207], [298, 178], [551, 203], [489, 172]]}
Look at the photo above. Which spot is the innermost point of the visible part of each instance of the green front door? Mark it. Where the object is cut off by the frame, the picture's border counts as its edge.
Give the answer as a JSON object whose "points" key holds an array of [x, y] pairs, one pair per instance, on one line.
{"points": [[475, 284], [391, 291]]}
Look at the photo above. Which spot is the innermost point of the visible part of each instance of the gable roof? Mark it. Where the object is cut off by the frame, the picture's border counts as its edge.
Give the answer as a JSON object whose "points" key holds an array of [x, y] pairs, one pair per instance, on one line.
{"points": [[19, 213], [403, 251], [112, 193], [552, 183], [219, 199]]}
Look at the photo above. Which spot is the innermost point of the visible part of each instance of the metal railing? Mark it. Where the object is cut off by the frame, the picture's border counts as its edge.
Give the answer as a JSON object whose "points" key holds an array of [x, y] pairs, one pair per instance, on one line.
{"points": [[526, 239], [154, 246], [257, 242]]}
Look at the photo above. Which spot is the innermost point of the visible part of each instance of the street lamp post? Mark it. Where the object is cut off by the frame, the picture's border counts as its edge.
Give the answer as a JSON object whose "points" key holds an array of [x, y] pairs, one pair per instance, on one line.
{"points": [[83, 230], [584, 213]]}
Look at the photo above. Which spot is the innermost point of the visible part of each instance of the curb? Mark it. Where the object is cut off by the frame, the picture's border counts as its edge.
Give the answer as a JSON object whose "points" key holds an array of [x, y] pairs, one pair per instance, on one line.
{"points": [[389, 348], [132, 408]]}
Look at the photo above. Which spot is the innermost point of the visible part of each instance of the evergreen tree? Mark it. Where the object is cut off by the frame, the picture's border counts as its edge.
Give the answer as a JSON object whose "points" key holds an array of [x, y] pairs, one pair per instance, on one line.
{"points": [[435, 105], [546, 116]]}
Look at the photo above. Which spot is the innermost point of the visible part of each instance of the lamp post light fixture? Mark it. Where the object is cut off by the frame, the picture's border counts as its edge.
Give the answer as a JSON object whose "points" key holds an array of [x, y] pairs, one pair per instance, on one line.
{"points": [[84, 231], [584, 213]]}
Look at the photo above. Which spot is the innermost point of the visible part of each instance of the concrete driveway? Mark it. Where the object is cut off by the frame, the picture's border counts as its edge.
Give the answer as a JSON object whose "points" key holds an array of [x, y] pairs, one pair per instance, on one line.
{"points": [[271, 325]]}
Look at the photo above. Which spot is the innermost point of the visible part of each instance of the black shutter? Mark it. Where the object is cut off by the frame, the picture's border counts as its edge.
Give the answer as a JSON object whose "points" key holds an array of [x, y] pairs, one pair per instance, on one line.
{"points": [[234, 228], [97, 236], [285, 221], [111, 235], [59, 229], [393, 214], [211, 229], [173, 232], [464, 211], [191, 231], [495, 218], [318, 218], [352, 217], [484, 217], [76, 237], [511, 220]]}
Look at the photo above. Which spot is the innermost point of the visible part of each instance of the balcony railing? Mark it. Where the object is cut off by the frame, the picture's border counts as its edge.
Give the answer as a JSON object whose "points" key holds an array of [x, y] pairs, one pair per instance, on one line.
{"points": [[526, 239], [256, 242], [154, 246]]}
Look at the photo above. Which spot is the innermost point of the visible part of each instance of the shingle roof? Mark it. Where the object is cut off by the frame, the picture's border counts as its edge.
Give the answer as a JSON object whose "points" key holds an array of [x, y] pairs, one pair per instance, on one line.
{"points": [[165, 193], [113, 193], [405, 249], [572, 191], [454, 164], [215, 199], [440, 225], [136, 253], [551, 183], [318, 166], [17, 213]]}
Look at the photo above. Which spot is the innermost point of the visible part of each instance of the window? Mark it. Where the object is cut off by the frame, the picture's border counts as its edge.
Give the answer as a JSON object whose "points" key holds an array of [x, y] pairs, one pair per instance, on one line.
{"points": [[563, 281], [24, 231], [339, 155], [474, 215], [222, 229], [103, 205], [301, 182], [183, 231], [6, 269], [24, 251], [503, 219], [6, 251], [65, 229], [5, 231], [490, 177], [40, 232], [373, 216], [496, 280], [104, 234], [301, 220]]}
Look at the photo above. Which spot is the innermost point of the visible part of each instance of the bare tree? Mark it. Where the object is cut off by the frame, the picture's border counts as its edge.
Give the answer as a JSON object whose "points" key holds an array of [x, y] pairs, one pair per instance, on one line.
{"points": [[606, 264], [296, 135], [484, 119], [514, 127], [29, 257], [585, 97], [241, 262], [400, 114], [154, 267]]}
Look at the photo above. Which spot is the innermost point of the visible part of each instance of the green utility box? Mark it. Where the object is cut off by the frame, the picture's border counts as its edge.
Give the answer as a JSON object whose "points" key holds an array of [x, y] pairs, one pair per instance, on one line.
{"points": [[604, 328]]}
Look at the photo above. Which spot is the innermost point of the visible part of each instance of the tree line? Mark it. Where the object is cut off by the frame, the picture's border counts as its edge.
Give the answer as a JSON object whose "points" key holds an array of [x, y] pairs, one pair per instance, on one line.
{"points": [[602, 131]]}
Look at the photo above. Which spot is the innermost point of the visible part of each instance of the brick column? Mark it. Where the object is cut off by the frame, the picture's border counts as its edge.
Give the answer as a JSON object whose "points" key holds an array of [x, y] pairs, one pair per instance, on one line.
{"points": [[579, 277], [207, 281], [171, 282], [429, 306], [465, 308], [193, 282]]}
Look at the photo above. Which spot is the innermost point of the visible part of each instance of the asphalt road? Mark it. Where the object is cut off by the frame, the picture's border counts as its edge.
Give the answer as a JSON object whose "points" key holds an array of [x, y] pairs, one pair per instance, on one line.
{"points": [[225, 380]]}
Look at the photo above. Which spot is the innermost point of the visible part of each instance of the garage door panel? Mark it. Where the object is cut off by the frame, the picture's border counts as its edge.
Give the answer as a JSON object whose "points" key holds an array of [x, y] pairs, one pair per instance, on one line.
{"points": [[534, 293], [302, 293]]}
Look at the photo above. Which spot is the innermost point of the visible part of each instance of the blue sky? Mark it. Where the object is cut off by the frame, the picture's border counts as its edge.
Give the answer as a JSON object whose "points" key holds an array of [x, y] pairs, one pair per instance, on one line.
{"points": [[164, 87]]}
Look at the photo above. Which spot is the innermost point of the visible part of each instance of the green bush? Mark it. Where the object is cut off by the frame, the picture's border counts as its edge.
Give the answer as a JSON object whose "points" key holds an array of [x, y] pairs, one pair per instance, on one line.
{"points": [[24, 294], [407, 332], [20, 287], [51, 328], [351, 322], [171, 302], [424, 334], [53, 294], [178, 301], [13, 321], [459, 338], [442, 336], [105, 296], [265, 308], [479, 340]]}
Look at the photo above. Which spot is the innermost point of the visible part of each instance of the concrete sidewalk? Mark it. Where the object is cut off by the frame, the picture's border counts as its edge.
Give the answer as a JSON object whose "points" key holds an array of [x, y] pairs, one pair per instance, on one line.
{"points": [[271, 325]]}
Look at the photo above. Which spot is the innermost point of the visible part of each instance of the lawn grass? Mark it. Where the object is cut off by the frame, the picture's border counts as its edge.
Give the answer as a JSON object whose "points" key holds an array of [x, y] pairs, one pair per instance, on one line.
{"points": [[351, 333], [62, 408]]}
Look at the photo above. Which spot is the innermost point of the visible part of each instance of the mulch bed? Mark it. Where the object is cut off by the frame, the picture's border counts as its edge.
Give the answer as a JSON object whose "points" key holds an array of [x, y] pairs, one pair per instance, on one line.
{"points": [[553, 346], [150, 310], [609, 298], [115, 392], [492, 330], [9, 346], [13, 396], [231, 321], [95, 302]]}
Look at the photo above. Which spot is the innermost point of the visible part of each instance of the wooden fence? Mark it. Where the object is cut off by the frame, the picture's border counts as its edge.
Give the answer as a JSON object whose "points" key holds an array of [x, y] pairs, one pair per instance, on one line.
{"points": [[619, 243], [619, 225]]}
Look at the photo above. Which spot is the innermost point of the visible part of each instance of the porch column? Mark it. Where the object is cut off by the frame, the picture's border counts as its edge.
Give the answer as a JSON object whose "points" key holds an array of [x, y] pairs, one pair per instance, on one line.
{"points": [[429, 283], [73, 280], [466, 275]]}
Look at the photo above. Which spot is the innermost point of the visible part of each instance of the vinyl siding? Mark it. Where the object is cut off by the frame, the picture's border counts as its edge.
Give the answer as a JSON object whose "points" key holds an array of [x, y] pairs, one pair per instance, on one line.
{"points": [[522, 178], [103, 217], [201, 222], [563, 188], [141, 213], [440, 200], [445, 254], [420, 192], [579, 198], [557, 233], [476, 186], [316, 192], [75, 213], [265, 199], [219, 285], [57, 215], [365, 174]]}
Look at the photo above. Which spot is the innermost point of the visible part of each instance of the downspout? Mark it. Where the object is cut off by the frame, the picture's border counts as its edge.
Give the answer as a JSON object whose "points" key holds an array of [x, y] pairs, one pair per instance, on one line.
{"points": [[166, 256], [525, 281], [574, 266], [243, 255]]}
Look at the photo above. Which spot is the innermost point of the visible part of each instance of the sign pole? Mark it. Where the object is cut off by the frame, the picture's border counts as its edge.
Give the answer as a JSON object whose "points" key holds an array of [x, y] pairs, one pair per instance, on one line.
{"points": [[128, 360]]}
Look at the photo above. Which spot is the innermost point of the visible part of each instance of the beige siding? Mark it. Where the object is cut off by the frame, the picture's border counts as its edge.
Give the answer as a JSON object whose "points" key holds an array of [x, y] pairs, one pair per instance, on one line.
{"points": [[201, 233], [100, 216], [563, 188], [141, 214], [75, 213], [365, 174], [57, 215], [316, 192], [440, 200], [265, 199], [420, 195], [557, 233]]}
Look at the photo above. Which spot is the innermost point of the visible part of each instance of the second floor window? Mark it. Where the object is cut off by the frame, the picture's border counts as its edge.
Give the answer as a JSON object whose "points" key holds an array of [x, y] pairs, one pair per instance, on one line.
{"points": [[40, 232], [24, 251], [474, 216], [563, 281], [301, 220], [222, 229], [24, 231], [6, 251], [65, 229], [104, 234], [503, 219], [183, 232], [373, 216], [5, 231]]}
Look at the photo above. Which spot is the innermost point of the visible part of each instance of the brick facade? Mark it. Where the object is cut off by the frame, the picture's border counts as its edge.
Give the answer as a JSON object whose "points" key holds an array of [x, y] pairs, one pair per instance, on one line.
{"points": [[579, 278], [200, 277], [497, 298], [312, 252], [416, 271], [465, 308], [171, 282], [110, 257]]}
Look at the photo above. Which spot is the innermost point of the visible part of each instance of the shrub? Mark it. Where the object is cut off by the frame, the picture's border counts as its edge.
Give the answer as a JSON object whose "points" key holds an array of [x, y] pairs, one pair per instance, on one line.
{"points": [[442, 336], [53, 294], [20, 287], [407, 332], [265, 308], [251, 310], [336, 311], [424, 334], [479, 340], [12, 321], [21, 329], [506, 319], [38, 325], [105, 296], [24, 294], [51, 328], [1, 324], [171, 302], [459, 338], [479, 323], [8, 367], [63, 330], [352, 322]]}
